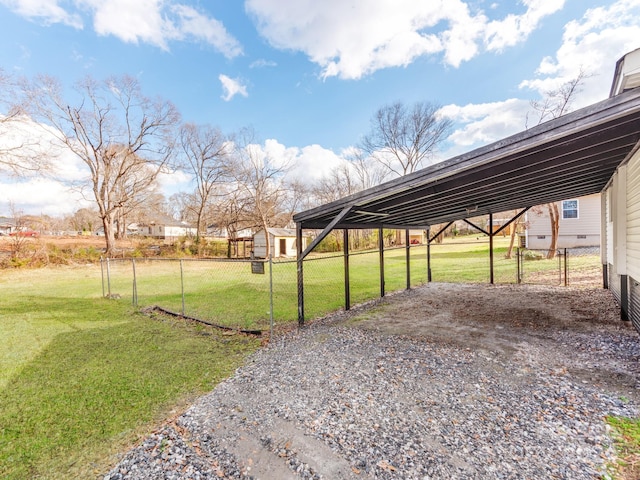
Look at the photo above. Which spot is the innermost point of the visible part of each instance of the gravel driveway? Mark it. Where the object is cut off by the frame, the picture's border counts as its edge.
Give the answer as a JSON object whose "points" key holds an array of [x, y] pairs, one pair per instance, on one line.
{"points": [[440, 382]]}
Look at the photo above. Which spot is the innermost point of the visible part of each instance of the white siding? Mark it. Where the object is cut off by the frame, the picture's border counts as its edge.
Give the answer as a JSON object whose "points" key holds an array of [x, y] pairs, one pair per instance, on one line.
{"points": [[609, 218], [571, 230], [633, 217]]}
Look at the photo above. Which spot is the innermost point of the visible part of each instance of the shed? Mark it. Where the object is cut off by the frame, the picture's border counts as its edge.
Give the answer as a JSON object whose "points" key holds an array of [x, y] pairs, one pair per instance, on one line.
{"points": [[579, 224], [282, 242]]}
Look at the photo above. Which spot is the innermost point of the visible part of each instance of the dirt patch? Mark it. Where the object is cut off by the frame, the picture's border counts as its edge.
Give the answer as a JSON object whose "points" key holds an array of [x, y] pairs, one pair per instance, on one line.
{"points": [[556, 324]]}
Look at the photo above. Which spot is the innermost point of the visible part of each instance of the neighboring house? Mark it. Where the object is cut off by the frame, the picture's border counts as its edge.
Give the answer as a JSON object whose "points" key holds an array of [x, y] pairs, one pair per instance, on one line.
{"points": [[222, 232], [7, 225], [282, 240], [166, 228], [579, 224]]}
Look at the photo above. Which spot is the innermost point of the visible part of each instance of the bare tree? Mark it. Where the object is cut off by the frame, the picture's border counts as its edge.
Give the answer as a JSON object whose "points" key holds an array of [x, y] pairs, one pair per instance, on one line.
{"points": [[85, 220], [260, 181], [21, 152], [124, 138], [402, 138], [204, 150], [554, 104]]}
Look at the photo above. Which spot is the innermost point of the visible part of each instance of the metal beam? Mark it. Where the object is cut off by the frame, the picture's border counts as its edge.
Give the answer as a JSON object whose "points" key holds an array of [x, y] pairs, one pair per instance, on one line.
{"points": [[327, 230]]}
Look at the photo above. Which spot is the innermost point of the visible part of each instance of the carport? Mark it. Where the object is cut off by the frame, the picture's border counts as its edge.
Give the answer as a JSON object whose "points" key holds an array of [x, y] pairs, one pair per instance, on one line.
{"points": [[571, 156]]}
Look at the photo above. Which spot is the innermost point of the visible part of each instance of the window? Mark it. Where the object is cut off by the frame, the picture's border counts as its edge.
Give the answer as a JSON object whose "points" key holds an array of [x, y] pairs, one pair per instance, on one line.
{"points": [[570, 209]]}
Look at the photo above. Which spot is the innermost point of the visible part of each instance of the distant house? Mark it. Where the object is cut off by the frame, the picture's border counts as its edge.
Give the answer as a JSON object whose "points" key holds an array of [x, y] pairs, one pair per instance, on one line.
{"points": [[579, 224], [166, 228], [7, 225], [222, 232], [282, 241]]}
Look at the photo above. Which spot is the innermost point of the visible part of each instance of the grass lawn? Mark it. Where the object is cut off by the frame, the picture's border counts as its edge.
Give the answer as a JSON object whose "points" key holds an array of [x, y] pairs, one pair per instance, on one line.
{"points": [[83, 377]]}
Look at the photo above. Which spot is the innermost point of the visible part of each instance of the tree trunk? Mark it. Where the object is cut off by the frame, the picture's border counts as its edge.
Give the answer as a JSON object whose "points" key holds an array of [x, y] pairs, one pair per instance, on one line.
{"points": [[554, 217], [109, 234], [511, 242]]}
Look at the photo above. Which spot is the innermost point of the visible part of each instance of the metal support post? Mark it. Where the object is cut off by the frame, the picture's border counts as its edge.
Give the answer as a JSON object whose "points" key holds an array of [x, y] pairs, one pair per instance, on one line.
{"points": [[381, 255], [491, 248], [347, 287], [300, 275], [407, 257]]}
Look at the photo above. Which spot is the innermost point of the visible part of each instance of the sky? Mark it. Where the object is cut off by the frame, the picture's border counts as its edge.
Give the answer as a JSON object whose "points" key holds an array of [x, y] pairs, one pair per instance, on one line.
{"points": [[307, 76]]}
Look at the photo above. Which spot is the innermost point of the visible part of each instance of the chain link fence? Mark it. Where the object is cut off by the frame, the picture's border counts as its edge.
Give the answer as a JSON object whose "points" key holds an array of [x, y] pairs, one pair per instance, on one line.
{"points": [[252, 293]]}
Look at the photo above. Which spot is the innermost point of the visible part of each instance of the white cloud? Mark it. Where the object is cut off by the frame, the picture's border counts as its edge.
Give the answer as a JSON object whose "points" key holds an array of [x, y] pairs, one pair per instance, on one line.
{"points": [[232, 87], [262, 63], [157, 22], [40, 196], [480, 124], [49, 11], [594, 43], [353, 39]]}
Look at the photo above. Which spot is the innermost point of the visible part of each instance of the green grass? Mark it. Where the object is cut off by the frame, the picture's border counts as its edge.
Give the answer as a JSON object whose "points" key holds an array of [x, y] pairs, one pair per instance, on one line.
{"points": [[83, 377], [229, 294], [627, 433]]}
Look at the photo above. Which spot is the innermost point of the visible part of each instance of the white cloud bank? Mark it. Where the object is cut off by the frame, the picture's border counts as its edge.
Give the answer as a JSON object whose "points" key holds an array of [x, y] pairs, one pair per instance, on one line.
{"points": [[353, 39], [156, 22]]}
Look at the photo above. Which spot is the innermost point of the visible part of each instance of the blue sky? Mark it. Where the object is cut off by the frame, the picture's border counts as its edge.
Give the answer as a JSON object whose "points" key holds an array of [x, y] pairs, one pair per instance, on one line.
{"points": [[308, 75]]}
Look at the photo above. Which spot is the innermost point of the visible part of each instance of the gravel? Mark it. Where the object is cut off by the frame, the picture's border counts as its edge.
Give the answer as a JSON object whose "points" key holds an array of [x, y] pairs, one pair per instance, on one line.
{"points": [[345, 399]]}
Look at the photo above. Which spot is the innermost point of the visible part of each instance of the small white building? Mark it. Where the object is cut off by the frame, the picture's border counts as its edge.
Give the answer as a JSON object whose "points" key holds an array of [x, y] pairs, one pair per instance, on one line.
{"points": [[167, 229], [282, 241], [579, 224]]}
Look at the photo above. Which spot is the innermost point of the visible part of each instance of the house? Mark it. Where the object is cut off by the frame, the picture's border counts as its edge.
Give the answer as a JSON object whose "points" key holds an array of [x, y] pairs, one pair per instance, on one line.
{"points": [[166, 228], [217, 231], [282, 241], [7, 225], [579, 224], [620, 226]]}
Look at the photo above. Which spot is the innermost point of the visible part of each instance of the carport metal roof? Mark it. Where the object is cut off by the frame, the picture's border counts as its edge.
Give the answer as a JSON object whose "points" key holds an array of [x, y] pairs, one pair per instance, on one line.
{"points": [[570, 156]]}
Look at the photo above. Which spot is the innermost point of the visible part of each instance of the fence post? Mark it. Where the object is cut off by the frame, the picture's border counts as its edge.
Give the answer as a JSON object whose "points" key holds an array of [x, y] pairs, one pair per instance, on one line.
{"points": [[135, 284], [102, 275], [108, 278], [518, 273], [270, 298], [566, 269], [182, 285]]}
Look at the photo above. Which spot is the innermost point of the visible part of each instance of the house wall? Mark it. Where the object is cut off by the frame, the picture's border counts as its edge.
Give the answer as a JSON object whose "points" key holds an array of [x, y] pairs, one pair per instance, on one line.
{"points": [[583, 231], [622, 257], [633, 217]]}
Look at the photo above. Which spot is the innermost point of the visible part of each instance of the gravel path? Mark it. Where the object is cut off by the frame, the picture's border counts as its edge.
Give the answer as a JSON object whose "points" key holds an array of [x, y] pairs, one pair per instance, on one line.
{"points": [[509, 396]]}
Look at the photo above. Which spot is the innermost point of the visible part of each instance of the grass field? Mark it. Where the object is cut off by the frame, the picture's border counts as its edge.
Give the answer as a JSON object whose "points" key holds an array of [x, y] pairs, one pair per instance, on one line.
{"points": [[229, 293], [82, 377]]}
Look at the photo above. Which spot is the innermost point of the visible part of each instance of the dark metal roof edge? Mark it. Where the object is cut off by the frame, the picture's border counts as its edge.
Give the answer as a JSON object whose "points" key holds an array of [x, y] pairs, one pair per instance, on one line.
{"points": [[605, 110]]}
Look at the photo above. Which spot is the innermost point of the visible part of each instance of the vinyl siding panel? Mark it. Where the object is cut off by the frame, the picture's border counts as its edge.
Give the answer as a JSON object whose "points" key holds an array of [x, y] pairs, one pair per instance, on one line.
{"points": [[633, 217], [609, 219]]}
